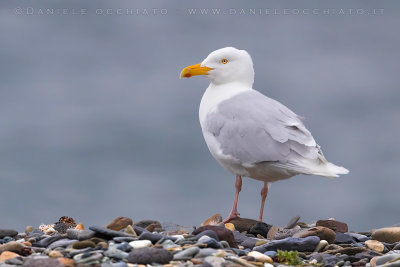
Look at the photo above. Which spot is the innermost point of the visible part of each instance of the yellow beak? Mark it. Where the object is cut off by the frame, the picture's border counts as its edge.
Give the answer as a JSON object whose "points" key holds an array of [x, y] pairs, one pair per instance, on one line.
{"points": [[194, 70]]}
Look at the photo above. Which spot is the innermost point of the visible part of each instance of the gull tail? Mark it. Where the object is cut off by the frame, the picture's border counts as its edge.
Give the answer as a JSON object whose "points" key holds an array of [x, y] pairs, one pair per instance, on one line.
{"points": [[331, 170], [319, 167]]}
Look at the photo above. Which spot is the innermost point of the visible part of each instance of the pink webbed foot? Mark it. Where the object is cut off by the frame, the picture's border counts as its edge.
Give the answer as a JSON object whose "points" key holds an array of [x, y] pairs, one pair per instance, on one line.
{"points": [[233, 215]]}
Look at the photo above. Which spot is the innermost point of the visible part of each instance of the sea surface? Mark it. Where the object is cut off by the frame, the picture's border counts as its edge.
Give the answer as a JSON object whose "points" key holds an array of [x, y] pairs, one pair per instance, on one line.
{"points": [[95, 123]]}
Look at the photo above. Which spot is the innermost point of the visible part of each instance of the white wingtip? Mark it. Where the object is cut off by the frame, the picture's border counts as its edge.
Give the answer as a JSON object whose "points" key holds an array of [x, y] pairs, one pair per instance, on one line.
{"points": [[333, 171]]}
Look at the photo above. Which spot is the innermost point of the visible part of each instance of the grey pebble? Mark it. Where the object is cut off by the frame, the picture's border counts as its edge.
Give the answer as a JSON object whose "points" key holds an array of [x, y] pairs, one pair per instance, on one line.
{"points": [[292, 223], [124, 247], [154, 238], [224, 244], [42, 262], [47, 240], [74, 252], [205, 252], [285, 233], [15, 261], [186, 254], [169, 244], [214, 261], [80, 234], [88, 258], [61, 243], [385, 258], [116, 253], [359, 237]]}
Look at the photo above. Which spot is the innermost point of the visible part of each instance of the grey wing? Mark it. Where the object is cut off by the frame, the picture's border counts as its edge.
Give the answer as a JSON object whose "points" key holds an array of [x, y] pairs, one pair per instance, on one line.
{"points": [[254, 128]]}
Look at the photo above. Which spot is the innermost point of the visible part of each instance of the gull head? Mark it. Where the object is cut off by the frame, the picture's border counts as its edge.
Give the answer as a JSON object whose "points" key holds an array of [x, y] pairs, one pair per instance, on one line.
{"points": [[225, 65]]}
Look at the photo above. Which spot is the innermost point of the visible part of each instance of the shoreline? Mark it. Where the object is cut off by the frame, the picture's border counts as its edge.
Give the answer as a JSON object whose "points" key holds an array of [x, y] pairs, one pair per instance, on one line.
{"points": [[241, 242]]}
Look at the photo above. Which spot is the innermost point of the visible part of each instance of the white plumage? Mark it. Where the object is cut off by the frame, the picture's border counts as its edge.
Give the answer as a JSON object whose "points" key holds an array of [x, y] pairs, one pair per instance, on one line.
{"points": [[250, 134]]}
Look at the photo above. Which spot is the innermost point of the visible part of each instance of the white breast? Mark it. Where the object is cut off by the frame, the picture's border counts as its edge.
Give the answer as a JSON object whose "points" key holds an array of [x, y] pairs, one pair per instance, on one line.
{"points": [[216, 94], [212, 97]]}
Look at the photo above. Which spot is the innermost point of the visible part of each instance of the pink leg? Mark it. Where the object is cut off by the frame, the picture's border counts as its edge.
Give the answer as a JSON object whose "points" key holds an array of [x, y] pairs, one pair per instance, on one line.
{"points": [[264, 193], [234, 213]]}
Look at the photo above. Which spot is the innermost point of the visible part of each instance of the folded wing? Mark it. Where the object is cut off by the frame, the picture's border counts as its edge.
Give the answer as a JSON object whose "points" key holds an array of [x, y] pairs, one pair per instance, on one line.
{"points": [[254, 128]]}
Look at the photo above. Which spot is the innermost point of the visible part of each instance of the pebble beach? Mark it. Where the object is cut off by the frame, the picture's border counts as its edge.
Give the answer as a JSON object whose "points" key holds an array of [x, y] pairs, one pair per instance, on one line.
{"points": [[241, 242]]}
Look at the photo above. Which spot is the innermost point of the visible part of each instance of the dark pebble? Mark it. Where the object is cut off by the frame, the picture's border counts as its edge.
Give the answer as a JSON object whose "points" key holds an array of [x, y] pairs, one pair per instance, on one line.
{"points": [[7, 239], [145, 223], [351, 251], [139, 230], [212, 243], [124, 247], [243, 224], [366, 255], [260, 228], [107, 233], [45, 242], [222, 233], [359, 263], [249, 243], [328, 260], [154, 237], [119, 223], [323, 233], [334, 225], [248, 258], [97, 240], [150, 255], [83, 244], [7, 232], [341, 238], [290, 243], [397, 246], [239, 252], [124, 239], [239, 237]]}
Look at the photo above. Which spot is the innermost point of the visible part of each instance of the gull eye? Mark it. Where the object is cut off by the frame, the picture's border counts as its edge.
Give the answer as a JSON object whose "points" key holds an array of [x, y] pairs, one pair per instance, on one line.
{"points": [[224, 61]]}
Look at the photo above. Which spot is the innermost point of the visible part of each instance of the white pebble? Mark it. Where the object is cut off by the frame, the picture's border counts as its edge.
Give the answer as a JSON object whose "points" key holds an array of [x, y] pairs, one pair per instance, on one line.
{"points": [[178, 237], [140, 243], [260, 257]]}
